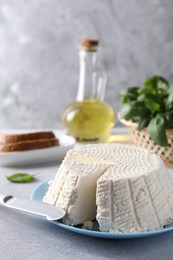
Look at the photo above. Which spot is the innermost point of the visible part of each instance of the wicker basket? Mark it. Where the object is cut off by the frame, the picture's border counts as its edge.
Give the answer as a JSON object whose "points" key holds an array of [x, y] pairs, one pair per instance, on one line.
{"points": [[142, 139]]}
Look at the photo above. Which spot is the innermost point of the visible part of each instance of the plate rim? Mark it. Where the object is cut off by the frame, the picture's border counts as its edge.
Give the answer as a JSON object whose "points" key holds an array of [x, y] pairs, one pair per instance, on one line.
{"points": [[98, 234]]}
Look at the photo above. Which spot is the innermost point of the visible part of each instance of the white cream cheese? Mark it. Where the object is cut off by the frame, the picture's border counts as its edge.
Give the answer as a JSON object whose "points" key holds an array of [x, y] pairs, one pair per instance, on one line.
{"points": [[127, 189]]}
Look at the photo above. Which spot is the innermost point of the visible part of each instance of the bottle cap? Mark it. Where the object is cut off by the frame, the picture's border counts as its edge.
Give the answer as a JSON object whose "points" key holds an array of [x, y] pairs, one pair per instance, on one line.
{"points": [[89, 44]]}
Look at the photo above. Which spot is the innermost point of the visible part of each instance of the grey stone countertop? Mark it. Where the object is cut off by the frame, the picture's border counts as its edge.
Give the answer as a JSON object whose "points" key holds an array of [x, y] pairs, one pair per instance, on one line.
{"points": [[26, 236]]}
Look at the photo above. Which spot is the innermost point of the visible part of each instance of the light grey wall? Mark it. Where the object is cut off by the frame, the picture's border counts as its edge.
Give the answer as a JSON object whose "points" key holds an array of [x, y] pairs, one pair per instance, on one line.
{"points": [[39, 42]]}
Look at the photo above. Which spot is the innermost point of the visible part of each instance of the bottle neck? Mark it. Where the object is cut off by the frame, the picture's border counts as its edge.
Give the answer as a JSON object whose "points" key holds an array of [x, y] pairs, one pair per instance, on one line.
{"points": [[88, 75]]}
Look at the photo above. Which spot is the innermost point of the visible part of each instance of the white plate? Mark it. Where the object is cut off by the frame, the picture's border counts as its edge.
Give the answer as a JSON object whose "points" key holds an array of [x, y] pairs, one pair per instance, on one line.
{"points": [[39, 155], [38, 194]]}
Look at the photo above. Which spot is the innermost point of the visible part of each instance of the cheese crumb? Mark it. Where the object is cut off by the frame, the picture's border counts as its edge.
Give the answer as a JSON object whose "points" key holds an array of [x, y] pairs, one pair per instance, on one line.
{"points": [[88, 225]]}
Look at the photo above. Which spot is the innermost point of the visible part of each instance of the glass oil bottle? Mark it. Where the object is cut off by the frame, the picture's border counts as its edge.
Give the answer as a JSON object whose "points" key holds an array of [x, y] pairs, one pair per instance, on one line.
{"points": [[89, 118]]}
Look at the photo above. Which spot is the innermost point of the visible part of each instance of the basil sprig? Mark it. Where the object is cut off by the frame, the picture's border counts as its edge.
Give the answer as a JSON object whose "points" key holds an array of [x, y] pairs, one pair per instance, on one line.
{"points": [[20, 177], [151, 106]]}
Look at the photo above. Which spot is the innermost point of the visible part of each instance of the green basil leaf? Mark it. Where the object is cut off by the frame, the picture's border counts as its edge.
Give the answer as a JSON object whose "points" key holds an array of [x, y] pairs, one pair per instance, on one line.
{"points": [[127, 111], [169, 99], [129, 94], [159, 99], [20, 177], [141, 97], [157, 82], [154, 85], [169, 119], [143, 123], [152, 105], [156, 130], [132, 110]]}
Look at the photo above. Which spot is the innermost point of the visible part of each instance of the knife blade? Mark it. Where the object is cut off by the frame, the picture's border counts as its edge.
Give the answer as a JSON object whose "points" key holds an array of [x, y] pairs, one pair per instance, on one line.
{"points": [[32, 206]]}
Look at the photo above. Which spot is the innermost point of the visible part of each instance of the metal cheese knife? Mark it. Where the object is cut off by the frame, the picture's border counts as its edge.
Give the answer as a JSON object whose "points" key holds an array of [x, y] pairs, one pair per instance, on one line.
{"points": [[32, 206]]}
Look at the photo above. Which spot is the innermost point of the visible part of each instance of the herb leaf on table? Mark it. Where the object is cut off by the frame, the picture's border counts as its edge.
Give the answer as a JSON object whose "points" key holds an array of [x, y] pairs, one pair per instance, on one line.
{"points": [[20, 177]]}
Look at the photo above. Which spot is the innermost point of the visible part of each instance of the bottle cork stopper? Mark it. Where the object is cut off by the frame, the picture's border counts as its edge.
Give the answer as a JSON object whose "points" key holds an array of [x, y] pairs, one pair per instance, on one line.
{"points": [[89, 44]]}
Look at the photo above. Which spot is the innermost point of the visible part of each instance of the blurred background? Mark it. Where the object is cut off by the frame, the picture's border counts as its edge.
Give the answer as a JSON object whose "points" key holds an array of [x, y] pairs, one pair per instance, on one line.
{"points": [[39, 43]]}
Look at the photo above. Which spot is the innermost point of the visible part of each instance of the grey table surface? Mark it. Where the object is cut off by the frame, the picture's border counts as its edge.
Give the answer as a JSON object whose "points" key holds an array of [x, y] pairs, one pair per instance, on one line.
{"points": [[26, 236]]}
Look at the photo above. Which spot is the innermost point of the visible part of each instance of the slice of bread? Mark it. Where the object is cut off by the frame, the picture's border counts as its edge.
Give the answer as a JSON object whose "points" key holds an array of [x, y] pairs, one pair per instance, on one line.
{"points": [[12, 138], [27, 141]]}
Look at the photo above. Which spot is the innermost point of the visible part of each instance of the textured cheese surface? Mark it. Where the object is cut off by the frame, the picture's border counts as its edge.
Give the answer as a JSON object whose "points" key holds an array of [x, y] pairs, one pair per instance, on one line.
{"points": [[127, 189]]}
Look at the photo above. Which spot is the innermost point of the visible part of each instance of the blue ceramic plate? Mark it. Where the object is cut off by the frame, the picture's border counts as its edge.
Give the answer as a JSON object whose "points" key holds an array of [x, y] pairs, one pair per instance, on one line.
{"points": [[39, 193]]}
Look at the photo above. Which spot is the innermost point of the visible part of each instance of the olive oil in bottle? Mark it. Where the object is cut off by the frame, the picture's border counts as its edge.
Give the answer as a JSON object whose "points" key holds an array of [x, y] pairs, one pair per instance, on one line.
{"points": [[89, 118]]}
